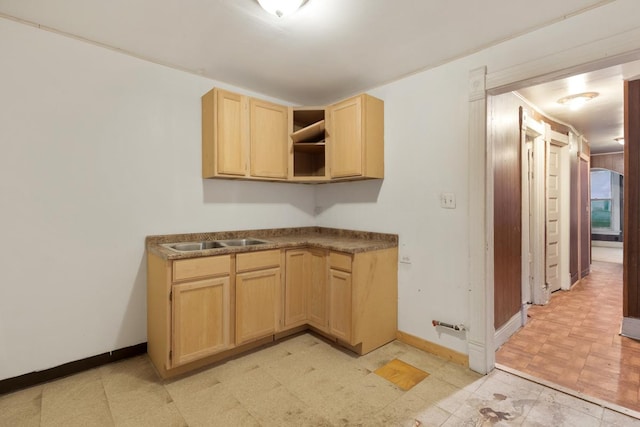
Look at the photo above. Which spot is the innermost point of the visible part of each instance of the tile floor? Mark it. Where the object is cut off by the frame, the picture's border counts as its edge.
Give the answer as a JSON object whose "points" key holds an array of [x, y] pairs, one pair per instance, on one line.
{"points": [[302, 381], [574, 341]]}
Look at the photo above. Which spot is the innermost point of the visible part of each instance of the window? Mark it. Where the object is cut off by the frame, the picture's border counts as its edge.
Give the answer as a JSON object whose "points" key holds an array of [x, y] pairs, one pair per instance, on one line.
{"points": [[606, 202], [601, 214]]}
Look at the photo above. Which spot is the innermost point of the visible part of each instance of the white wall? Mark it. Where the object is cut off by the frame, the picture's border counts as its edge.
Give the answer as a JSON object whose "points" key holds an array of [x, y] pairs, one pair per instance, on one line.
{"points": [[98, 150], [425, 154], [426, 145]]}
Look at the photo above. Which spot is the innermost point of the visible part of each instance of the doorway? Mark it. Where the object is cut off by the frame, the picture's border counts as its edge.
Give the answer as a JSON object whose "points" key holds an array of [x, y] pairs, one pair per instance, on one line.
{"points": [[572, 343]]}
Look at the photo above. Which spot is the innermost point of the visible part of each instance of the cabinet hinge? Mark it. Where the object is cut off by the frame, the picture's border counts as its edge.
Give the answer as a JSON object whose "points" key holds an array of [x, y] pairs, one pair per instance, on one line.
{"points": [[170, 354], [170, 295]]}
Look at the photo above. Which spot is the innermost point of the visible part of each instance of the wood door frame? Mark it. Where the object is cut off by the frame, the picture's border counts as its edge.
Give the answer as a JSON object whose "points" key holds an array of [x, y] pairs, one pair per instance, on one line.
{"points": [[533, 217]]}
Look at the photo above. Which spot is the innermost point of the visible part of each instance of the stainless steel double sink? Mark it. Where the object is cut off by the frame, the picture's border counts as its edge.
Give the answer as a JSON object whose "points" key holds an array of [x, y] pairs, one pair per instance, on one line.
{"points": [[213, 244]]}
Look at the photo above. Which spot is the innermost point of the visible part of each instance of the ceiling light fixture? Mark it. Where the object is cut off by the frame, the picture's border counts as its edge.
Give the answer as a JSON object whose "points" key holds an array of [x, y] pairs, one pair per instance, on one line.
{"points": [[281, 8], [576, 101], [619, 140]]}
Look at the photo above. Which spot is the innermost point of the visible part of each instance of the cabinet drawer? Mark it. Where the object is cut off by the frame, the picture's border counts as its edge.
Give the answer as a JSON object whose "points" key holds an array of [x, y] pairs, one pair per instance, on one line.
{"points": [[257, 260], [340, 261], [201, 267]]}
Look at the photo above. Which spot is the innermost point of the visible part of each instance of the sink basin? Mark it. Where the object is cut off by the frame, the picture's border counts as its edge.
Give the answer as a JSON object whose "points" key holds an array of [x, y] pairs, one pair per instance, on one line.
{"points": [[213, 244], [242, 242], [195, 246]]}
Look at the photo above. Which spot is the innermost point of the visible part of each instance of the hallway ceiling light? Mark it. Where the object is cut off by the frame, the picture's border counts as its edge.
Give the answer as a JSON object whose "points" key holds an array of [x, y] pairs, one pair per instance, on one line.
{"points": [[281, 8], [619, 140], [577, 100]]}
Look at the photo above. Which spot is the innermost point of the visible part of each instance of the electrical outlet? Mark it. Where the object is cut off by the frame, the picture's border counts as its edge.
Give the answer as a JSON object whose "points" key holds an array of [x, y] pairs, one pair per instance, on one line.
{"points": [[405, 257], [448, 200]]}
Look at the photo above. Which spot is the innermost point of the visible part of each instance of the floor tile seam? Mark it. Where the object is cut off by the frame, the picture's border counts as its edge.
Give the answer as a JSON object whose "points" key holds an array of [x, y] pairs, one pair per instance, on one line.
{"points": [[91, 405], [587, 385], [522, 391], [242, 399], [238, 404], [487, 401], [560, 353], [458, 388], [599, 357], [106, 398], [40, 409], [589, 339], [137, 414], [546, 357], [567, 343], [635, 347], [175, 404], [532, 326], [577, 394]]}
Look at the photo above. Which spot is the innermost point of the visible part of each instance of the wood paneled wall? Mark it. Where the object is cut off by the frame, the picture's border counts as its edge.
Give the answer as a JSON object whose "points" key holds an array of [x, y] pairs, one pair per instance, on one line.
{"points": [[631, 286], [505, 128], [612, 161]]}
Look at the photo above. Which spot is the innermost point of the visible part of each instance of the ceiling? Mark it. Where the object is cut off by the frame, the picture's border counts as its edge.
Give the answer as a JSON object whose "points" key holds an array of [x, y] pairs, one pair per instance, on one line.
{"points": [[329, 49], [600, 120]]}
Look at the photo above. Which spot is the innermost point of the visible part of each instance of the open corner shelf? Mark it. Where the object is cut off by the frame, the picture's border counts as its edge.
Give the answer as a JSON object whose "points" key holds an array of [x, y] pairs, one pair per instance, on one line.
{"points": [[311, 133], [308, 143]]}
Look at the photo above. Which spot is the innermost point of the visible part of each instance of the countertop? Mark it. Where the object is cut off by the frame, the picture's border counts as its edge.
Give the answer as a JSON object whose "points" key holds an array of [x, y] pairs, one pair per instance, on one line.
{"points": [[349, 241]]}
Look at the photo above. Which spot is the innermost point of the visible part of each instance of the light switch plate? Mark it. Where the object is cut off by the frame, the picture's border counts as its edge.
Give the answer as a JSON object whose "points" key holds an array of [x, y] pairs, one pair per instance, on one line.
{"points": [[448, 200]]}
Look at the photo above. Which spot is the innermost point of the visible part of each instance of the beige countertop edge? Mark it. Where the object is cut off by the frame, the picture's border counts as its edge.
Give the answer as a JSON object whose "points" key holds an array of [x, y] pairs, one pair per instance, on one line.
{"points": [[333, 243]]}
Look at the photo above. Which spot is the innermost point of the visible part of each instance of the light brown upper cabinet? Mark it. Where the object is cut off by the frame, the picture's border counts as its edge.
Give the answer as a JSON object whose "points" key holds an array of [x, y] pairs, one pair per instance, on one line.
{"points": [[356, 137], [268, 139], [243, 137], [225, 131], [248, 138]]}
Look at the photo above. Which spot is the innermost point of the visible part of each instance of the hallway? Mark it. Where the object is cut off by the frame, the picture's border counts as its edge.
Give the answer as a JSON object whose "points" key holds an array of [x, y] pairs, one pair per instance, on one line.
{"points": [[574, 341]]}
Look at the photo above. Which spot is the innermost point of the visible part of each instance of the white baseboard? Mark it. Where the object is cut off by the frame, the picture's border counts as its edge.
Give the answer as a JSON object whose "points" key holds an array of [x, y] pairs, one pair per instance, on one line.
{"points": [[604, 244], [630, 327], [503, 334]]}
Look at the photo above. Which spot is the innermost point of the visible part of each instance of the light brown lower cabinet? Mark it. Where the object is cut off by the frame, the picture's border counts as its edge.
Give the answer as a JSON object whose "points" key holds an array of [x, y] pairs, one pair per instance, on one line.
{"points": [[297, 267], [201, 310], [200, 319], [258, 284], [363, 298], [188, 310], [318, 314], [340, 305]]}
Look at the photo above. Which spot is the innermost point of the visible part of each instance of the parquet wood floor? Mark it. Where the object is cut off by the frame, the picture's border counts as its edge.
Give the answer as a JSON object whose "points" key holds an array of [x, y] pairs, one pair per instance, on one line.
{"points": [[574, 341]]}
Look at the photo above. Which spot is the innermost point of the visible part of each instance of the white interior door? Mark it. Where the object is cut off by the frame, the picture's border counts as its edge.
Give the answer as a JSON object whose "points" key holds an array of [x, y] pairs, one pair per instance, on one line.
{"points": [[552, 251]]}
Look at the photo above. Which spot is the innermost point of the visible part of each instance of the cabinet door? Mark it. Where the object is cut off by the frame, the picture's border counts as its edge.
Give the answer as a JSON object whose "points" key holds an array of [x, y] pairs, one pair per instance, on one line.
{"points": [[231, 133], [317, 308], [340, 304], [295, 287], [201, 319], [269, 139], [256, 315], [345, 137]]}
